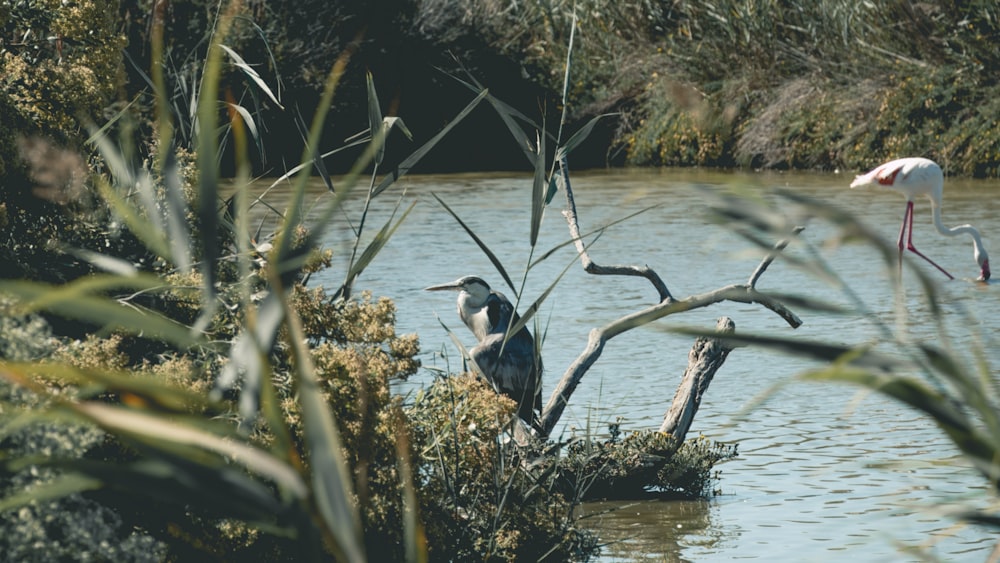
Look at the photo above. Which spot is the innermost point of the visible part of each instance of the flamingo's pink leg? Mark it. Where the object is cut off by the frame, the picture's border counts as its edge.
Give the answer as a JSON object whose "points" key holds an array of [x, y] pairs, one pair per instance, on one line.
{"points": [[908, 218]]}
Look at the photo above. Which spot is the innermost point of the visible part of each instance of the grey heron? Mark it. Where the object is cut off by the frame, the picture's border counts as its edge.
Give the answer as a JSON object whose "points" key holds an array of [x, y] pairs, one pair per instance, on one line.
{"points": [[517, 372]]}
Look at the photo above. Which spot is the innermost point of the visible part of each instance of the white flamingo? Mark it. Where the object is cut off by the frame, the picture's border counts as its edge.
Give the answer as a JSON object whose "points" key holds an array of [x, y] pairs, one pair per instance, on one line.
{"points": [[919, 176]]}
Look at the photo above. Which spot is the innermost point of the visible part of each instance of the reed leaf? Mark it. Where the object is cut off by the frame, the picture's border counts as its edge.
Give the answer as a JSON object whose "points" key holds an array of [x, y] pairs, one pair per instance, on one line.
{"points": [[860, 356], [409, 162], [144, 230], [983, 450], [510, 117], [316, 159], [293, 218], [162, 433], [479, 242], [537, 303], [377, 243], [74, 304], [214, 487], [248, 357], [247, 118], [175, 208], [54, 489], [375, 120], [580, 136], [134, 388], [538, 192], [251, 74], [331, 481]]}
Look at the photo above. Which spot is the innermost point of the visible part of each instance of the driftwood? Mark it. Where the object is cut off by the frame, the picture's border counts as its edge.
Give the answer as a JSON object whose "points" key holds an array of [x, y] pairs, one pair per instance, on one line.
{"points": [[705, 358], [667, 305]]}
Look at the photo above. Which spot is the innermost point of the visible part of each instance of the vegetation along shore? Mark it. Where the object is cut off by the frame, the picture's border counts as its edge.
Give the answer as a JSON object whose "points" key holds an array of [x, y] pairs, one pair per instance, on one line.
{"points": [[174, 388]]}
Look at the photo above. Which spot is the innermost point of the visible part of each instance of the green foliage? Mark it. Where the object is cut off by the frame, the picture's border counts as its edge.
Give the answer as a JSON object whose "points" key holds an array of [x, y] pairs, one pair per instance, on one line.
{"points": [[66, 64], [480, 492], [818, 85], [680, 129], [644, 463], [313, 458]]}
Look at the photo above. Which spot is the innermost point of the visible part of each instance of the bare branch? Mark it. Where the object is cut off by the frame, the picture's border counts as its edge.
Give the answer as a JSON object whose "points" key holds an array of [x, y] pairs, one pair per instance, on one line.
{"points": [[599, 337], [588, 264], [705, 358], [668, 305], [752, 282]]}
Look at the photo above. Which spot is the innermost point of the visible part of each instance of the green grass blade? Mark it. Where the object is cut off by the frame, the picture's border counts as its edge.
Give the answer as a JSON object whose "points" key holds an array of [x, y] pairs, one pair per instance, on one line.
{"points": [[948, 415], [293, 218], [251, 74], [482, 245], [142, 229], [157, 431], [375, 120], [537, 303], [819, 351], [331, 480], [377, 243], [74, 304], [538, 188], [138, 387], [57, 488], [176, 211], [409, 162], [580, 136], [510, 118]]}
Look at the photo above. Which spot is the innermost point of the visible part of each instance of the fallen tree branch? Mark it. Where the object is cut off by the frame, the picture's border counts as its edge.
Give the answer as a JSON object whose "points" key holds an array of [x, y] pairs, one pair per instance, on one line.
{"points": [[589, 265], [705, 358], [668, 305]]}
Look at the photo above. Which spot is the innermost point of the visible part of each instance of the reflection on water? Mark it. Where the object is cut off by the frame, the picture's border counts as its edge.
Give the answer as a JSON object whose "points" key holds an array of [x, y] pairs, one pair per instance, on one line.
{"points": [[824, 473], [653, 530]]}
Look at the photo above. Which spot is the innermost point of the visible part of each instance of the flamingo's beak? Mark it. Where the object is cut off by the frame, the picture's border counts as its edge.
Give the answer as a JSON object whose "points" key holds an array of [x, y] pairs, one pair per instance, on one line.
{"points": [[985, 275]]}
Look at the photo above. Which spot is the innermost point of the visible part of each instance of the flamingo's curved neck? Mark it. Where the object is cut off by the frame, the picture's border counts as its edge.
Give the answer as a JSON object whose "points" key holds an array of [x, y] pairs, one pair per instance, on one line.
{"points": [[977, 241]]}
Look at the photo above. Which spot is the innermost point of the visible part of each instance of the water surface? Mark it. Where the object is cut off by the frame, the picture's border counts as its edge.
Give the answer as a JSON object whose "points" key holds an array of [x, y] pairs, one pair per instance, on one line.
{"points": [[824, 473]]}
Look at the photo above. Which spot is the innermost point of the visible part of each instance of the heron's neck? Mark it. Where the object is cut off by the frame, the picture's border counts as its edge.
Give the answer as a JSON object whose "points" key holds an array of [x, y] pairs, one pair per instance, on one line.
{"points": [[977, 241], [473, 314]]}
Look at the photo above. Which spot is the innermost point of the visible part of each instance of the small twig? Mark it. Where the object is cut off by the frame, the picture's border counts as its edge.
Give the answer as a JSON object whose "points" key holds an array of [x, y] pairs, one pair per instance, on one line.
{"points": [[752, 282], [668, 305], [588, 264]]}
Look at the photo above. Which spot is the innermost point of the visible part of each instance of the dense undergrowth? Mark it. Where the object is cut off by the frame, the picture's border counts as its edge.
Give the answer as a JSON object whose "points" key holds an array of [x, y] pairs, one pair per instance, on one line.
{"points": [[828, 85], [835, 84], [171, 386], [133, 286]]}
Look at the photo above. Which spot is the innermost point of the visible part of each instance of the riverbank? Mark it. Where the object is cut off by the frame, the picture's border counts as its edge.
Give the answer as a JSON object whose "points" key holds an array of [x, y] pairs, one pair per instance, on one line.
{"points": [[786, 85]]}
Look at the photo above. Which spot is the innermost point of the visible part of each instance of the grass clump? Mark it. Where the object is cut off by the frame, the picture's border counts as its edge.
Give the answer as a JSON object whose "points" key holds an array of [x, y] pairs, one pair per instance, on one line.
{"points": [[643, 464], [493, 499]]}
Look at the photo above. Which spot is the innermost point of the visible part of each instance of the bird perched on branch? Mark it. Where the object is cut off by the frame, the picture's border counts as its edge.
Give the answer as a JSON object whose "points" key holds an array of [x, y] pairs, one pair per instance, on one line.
{"points": [[919, 176], [513, 368]]}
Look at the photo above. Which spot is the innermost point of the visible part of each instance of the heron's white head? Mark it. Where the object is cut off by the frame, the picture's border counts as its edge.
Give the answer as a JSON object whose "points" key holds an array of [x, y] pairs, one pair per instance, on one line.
{"points": [[477, 291]]}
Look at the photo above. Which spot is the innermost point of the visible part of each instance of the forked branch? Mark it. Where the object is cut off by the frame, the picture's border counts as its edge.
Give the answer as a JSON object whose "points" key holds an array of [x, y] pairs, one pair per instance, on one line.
{"points": [[668, 305]]}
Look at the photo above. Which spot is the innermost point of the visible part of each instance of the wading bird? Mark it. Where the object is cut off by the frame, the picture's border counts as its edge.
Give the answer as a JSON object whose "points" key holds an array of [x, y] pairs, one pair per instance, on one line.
{"points": [[517, 371], [918, 176]]}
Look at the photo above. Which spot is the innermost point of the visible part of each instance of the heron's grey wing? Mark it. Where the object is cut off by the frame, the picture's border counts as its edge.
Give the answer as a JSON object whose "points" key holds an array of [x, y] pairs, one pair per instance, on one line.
{"points": [[514, 373], [499, 311]]}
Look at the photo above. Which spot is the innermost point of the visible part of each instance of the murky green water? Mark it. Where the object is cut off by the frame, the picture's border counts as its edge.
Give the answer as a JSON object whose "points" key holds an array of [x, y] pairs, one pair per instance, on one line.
{"points": [[824, 474]]}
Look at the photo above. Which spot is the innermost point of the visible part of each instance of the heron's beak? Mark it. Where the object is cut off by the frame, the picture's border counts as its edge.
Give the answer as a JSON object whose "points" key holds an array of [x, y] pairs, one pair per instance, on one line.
{"points": [[443, 287]]}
